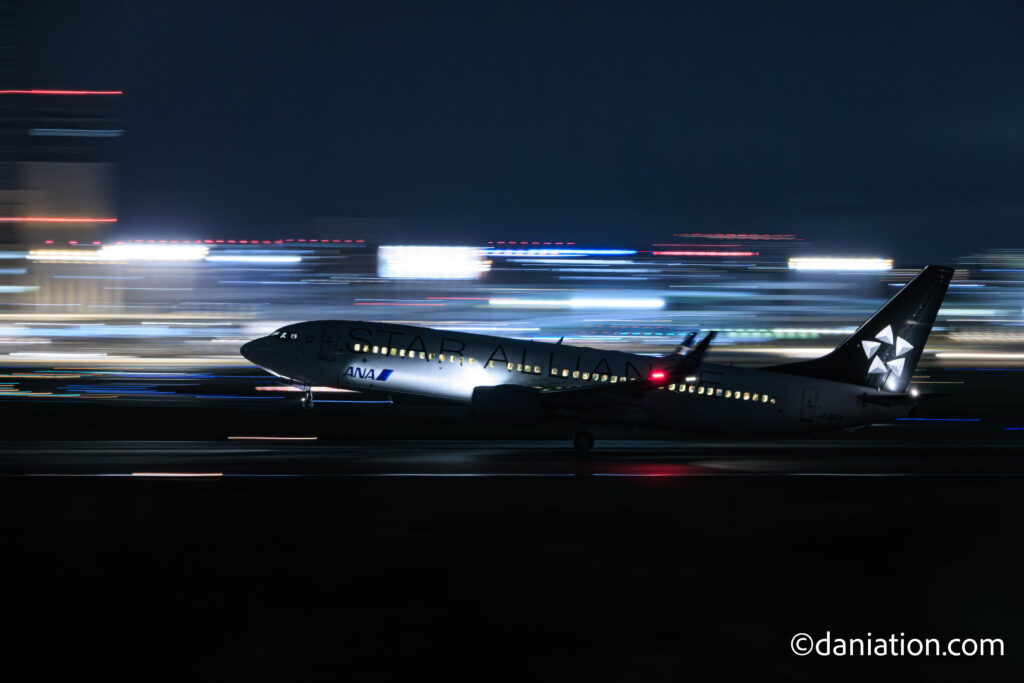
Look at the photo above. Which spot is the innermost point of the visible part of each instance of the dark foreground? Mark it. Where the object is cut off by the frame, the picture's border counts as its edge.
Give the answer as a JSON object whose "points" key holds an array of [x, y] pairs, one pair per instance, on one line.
{"points": [[650, 561]]}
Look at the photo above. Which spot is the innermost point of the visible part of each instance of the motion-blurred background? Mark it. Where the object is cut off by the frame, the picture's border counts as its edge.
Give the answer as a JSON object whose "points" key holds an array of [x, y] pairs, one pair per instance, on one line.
{"points": [[177, 179]]}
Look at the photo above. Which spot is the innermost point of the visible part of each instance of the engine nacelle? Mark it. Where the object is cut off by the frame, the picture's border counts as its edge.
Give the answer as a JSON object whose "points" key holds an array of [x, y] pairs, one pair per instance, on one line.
{"points": [[506, 402]]}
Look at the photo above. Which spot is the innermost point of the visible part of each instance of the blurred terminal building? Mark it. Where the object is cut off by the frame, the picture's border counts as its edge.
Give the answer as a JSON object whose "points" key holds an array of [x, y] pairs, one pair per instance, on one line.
{"points": [[72, 281], [58, 174]]}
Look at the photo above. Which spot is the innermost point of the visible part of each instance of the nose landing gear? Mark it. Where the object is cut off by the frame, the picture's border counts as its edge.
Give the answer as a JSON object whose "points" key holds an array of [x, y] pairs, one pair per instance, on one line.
{"points": [[306, 402]]}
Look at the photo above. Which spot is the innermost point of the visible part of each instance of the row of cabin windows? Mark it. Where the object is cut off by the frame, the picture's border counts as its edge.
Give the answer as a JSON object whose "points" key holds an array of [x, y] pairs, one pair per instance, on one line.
{"points": [[402, 353], [528, 368], [718, 392], [525, 368]]}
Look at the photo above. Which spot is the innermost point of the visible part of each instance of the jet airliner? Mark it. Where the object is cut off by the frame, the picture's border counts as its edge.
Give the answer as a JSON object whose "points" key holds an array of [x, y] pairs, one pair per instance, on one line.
{"points": [[863, 380]]}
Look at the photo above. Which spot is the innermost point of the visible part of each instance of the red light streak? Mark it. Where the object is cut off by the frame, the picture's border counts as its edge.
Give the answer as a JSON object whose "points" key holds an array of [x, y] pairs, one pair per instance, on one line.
{"points": [[61, 92], [658, 375], [54, 219]]}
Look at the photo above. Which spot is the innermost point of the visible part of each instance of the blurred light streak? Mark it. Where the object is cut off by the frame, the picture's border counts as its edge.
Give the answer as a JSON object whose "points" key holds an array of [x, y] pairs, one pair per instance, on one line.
{"points": [[787, 351], [948, 311], [272, 438], [154, 252], [979, 355], [433, 263], [62, 355], [639, 303], [54, 219], [38, 91], [560, 252], [253, 259], [487, 329], [705, 253], [178, 474], [839, 264], [575, 262], [75, 133], [995, 337], [737, 236], [299, 389]]}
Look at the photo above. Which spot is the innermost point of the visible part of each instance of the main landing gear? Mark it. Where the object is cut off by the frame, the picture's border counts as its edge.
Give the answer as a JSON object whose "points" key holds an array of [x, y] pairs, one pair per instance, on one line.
{"points": [[583, 441], [306, 402]]}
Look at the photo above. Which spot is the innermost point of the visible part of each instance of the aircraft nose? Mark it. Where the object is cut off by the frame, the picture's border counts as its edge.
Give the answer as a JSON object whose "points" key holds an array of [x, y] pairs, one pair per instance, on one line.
{"points": [[255, 352]]}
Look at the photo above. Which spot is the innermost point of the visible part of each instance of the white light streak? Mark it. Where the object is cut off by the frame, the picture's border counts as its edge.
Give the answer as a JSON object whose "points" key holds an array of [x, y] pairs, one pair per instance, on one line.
{"points": [[839, 264], [580, 303], [122, 253], [979, 355], [432, 263], [253, 259]]}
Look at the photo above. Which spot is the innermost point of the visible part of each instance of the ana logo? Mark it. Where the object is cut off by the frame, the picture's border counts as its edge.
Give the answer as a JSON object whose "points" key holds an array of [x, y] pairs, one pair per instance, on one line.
{"points": [[895, 364], [369, 373]]}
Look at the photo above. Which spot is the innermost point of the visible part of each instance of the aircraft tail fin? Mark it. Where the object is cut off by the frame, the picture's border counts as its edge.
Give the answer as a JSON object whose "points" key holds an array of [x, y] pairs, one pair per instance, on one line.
{"points": [[884, 351]]}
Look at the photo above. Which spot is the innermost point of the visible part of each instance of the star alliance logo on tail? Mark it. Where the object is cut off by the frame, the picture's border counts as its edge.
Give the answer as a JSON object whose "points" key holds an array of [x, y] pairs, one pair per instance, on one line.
{"points": [[894, 365]]}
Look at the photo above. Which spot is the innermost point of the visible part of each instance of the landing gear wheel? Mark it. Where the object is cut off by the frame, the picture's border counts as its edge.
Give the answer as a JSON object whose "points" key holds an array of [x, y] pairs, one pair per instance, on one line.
{"points": [[306, 402], [583, 441]]}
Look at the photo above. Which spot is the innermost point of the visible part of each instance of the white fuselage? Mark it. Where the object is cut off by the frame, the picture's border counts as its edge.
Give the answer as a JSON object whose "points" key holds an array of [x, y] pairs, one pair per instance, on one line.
{"points": [[404, 359]]}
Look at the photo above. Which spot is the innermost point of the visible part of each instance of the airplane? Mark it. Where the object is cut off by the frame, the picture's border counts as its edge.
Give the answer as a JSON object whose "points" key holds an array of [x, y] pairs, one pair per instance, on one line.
{"points": [[864, 380]]}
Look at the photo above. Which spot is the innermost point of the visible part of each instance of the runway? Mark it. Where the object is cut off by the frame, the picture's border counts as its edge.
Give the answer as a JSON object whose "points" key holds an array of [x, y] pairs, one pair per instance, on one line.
{"points": [[309, 457]]}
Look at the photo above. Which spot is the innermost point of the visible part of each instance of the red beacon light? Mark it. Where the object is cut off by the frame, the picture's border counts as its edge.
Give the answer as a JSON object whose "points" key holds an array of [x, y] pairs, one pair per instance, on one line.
{"points": [[657, 376]]}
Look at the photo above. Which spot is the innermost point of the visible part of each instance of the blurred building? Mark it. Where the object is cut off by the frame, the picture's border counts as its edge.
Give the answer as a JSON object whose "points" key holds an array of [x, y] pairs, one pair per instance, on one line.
{"points": [[57, 175]]}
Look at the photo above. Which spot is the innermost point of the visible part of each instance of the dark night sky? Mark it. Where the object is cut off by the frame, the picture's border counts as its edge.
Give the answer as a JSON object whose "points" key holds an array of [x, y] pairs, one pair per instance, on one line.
{"points": [[889, 129]]}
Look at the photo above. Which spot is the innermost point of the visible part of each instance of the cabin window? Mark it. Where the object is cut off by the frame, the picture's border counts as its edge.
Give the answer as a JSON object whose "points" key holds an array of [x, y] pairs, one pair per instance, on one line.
{"points": [[376, 349], [490, 363], [402, 353], [746, 395], [575, 374], [757, 397], [394, 351], [700, 391], [691, 388], [355, 347], [718, 393], [772, 401], [452, 358], [423, 355], [604, 378], [441, 357], [764, 398], [728, 393], [509, 366], [614, 379], [736, 395], [430, 356], [671, 387], [536, 369], [471, 361], [554, 371], [519, 367], [586, 375], [565, 372]]}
